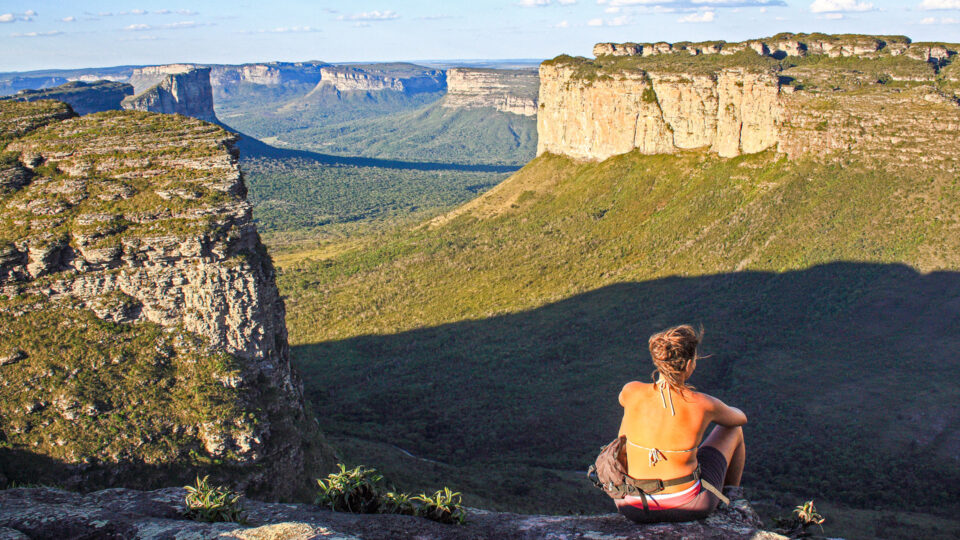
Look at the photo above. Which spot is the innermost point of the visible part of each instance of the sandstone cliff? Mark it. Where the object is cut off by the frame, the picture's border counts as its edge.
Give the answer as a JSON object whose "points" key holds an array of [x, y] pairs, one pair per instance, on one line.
{"points": [[83, 97], [507, 90], [226, 80], [816, 101], [142, 336], [121, 513], [181, 89], [407, 78]]}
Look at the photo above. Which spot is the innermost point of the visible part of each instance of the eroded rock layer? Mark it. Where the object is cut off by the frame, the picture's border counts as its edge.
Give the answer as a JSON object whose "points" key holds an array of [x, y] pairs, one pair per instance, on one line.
{"points": [[181, 89], [144, 331], [506, 90]]}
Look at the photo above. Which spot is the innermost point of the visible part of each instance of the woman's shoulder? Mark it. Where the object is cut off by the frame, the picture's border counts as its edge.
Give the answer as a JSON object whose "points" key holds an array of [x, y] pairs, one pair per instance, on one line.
{"points": [[630, 389]]}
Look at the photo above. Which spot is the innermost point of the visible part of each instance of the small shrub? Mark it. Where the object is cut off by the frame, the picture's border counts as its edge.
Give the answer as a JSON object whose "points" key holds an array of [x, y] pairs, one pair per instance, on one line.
{"points": [[213, 503], [357, 491], [804, 516], [398, 503], [354, 491], [444, 506]]}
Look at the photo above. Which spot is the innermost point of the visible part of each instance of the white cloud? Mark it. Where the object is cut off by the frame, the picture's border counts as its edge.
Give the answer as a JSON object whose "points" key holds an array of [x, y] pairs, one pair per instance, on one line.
{"points": [[940, 4], [612, 10], [534, 3], [562, 24], [374, 15], [941, 20], [693, 4], [702, 17], [566, 2], [163, 12], [138, 12], [595, 22], [30, 13], [831, 16], [836, 6], [7, 17], [293, 29], [38, 34], [138, 27], [69, 19], [618, 21]]}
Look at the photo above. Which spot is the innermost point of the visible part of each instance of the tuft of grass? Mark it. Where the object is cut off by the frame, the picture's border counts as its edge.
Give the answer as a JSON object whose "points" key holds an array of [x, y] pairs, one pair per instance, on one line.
{"points": [[804, 516], [444, 506], [213, 503], [354, 491], [358, 491]]}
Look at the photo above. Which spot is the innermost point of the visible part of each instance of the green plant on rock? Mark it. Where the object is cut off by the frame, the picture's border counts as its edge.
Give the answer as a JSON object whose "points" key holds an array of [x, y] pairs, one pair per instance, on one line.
{"points": [[213, 503], [397, 502], [353, 490], [804, 516], [444, 506]]}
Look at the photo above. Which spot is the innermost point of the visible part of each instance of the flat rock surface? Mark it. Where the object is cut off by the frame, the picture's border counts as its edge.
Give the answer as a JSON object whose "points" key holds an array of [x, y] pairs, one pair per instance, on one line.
{"points": [[125, 513]]}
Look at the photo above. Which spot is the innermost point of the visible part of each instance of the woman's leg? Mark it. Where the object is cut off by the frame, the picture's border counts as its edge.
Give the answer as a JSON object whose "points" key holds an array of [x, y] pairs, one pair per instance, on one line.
{"points": [[729, 441]]}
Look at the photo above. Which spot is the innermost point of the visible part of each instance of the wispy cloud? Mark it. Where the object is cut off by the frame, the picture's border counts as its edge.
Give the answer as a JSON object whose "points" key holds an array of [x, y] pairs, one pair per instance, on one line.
{"points": [[69, 19], [940, 4], [941, 20], [171, 26], [686, 5], [562, 24], [7, 18], [290, 30], [832, 16], [36, 34], [701, 17], [595, 22], [534, 3], [374, 15], [840, 6]]}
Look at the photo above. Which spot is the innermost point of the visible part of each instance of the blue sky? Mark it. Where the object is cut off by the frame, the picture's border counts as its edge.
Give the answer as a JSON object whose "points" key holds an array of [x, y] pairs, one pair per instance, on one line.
{"points": [[40, 34]]}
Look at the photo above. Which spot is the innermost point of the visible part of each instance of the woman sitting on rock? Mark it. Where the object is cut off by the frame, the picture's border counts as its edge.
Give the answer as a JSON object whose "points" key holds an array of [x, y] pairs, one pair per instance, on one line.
{"points": [[664, 423]]}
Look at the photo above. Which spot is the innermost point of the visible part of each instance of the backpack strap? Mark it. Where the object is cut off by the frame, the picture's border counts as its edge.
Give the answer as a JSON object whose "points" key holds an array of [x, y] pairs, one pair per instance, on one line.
{"points": [[713, 489]]}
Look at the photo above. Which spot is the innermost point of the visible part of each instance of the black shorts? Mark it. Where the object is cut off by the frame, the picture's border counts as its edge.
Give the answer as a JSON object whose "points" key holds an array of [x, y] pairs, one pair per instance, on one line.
{"points": [[713, 469]]}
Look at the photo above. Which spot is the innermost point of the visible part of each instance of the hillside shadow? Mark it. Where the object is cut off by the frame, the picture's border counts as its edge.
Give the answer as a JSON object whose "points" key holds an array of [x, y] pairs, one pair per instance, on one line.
{"points": [[251, 147], [842, 360]]}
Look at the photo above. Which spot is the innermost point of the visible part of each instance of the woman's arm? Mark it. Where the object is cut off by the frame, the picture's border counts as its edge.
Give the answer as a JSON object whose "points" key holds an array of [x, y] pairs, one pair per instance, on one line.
{"points": [[725, 415]]}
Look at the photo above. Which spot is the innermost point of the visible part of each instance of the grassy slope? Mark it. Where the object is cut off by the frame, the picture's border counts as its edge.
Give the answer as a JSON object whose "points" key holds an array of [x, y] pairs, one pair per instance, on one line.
{"points": [[500, 337], [436, 133]]}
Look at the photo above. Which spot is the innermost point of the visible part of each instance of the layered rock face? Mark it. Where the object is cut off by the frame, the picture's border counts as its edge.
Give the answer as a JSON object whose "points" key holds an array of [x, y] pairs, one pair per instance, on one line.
{"points": [[789, 44], [181, 89], [270, 74], [400, 78], [668, 100], [83, 97], [139, 308], [507, 90], [730, 112]]}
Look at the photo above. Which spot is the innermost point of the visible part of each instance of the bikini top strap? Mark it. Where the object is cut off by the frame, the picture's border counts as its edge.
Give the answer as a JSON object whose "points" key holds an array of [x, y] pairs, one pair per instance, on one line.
{"points": [[661, 385]]}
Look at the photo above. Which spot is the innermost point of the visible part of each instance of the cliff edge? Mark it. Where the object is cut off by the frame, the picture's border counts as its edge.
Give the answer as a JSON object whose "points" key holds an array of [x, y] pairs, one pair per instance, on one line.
{"points": [[180, 89], [122, 513], [142, 336]]}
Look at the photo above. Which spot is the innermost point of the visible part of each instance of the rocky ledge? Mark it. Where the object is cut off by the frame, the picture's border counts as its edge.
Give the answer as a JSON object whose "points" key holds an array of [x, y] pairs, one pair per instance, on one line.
{"points": [[123, 513]]}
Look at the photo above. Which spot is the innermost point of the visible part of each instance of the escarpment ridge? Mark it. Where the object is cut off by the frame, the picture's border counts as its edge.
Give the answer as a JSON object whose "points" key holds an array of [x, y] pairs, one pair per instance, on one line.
{"points": [[180, 89], [514, 91], [863, 95], [142, 336]]}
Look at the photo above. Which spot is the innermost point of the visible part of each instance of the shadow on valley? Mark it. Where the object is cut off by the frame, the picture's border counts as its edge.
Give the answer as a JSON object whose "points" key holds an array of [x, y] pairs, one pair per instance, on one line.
{"points": [[251, 147], [845, 371]]}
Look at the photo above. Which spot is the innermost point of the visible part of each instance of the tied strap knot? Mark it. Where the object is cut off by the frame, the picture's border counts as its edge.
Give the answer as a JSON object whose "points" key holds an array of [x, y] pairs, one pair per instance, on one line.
{"points": [[656, 456]]}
